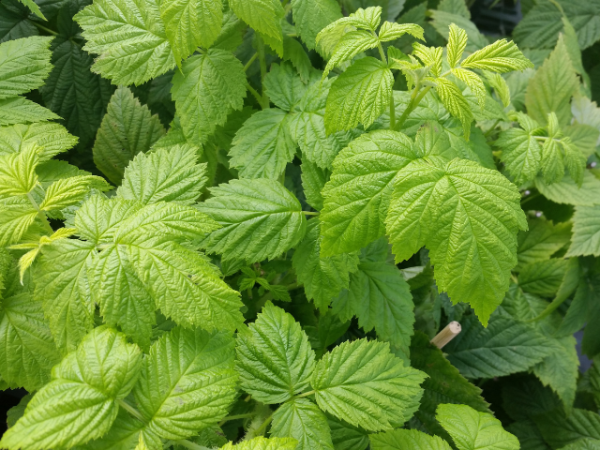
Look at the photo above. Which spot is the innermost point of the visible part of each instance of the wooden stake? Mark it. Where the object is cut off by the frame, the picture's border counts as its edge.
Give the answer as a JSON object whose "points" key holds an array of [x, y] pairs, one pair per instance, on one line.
{"points": [[446, 335]]}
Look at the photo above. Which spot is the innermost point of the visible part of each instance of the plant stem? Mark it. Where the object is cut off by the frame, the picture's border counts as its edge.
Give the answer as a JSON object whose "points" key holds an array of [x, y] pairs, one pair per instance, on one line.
{"points": [[236, 417], [415, 99], [531, 197], [131, 410], [263, 69], [492, 128], [392, 111], [250, 61], [189, 444], [260, 431], [43, 28], [380, 48], [256, 95], [306, 394], [310, 213]]}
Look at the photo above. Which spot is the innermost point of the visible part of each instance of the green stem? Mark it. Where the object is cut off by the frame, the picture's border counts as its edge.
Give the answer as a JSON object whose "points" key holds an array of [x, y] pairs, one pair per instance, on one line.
{"points": [[380, 48], [392, 111], [493, 127], [236, 417], [256, 95], [528, 199], [415, 99], [189, 444], [310, 213], [250, 61], [131, 410], [260, 431], [263, 69], [43, 28], [306, 394]]}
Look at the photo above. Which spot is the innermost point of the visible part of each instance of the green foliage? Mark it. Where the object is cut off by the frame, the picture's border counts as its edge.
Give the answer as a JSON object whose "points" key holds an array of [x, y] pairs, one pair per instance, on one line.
{"points": [[239, 224]]}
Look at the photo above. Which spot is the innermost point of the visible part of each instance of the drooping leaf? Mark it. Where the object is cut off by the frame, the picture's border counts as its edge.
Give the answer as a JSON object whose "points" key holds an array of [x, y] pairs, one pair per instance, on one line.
{"points": [[259, 219], [274, 359]]}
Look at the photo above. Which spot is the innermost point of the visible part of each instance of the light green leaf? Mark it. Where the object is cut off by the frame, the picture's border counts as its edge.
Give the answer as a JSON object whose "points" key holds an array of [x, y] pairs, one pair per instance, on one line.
{"points": [[504, 347], [358, 193], [63, 287], [543, 277], [350, 45], [263, 146], [500, 85], [521, 153], [429, 56], [274, 358], [70, 191], [361, 382], [260, 219], [311, 16], [390, 31], [403, 439], [445, 384], [568, 192], [80, 403], [456, 104], [551, 88], [380, 298], [17, 214], [29, 351], [262, 15], [21, 110], [541, 241], [130, 38], [472, 429], [502, 56], [33, 7], [187, 383], [313, 181], [51, 137], [359, 95], [302, 420], [207, 89], [323, 278], [17, 172], [472, 80], [586, 231], [261, 443], [190, 24], [457, 42], [24, 65], [166, 175], [472, 243], [127, 129]]}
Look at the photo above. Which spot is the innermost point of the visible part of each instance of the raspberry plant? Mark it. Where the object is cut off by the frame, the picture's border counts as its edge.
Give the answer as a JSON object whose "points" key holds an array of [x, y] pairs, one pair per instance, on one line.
{"points": [[238, 224]]}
